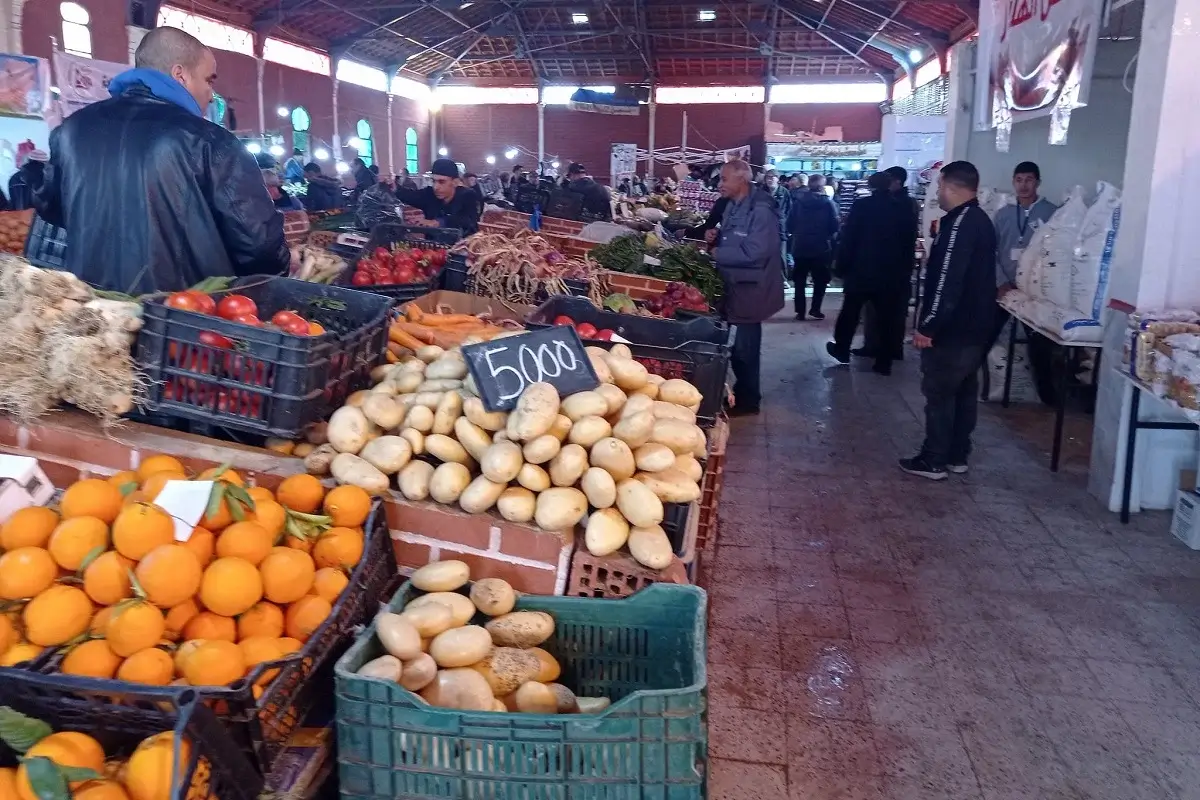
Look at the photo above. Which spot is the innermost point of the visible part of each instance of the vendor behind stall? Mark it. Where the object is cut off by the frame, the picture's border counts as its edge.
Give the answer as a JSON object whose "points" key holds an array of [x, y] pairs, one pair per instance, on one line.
{"points": [[445, 204], [596, 199], [153, 196]]}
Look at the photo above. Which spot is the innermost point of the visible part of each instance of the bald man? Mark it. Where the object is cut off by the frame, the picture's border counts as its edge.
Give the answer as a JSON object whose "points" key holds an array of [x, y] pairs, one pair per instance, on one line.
{"points": [[153, 196]]}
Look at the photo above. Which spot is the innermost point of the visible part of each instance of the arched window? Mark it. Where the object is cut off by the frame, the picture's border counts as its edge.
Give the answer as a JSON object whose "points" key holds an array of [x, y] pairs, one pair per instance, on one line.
{"points": [[300, 123], [76, 35], [410, 151], [367, 151]]}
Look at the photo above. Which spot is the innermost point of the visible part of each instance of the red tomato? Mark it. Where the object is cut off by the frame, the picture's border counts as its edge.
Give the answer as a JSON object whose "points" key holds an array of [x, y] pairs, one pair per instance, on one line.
{"points": [[185, 301], [207, 304], [406, 263], [236, 305], [361, 279], [439, 258], [248, 319], [290, 322], [604, 334], [563, 319], [382, 253], [586, 330], [216, 340]]}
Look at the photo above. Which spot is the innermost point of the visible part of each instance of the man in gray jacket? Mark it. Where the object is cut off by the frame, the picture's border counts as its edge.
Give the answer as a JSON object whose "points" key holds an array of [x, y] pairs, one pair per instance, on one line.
{"points": [[749, 257]]}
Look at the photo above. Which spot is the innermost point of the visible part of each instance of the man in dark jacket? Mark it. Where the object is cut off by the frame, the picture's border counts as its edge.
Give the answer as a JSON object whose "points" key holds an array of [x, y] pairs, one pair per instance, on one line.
{"points": [[955, 323], [812, 225], [153, 196], [748, 257], [27, 180], [322, 193], [445, 203], [871, 331], [875, 260], [596, 199]]}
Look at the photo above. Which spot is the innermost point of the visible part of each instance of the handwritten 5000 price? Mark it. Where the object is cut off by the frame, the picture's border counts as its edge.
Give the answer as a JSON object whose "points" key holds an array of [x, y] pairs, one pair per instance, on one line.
{"points": [[535, 366]]}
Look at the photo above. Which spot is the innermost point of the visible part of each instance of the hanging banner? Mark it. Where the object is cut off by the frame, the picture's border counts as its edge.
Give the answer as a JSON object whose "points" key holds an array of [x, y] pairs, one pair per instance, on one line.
{"points": [[623, 161], [83, 81], [24, 86], [1035, 56], [603, 103]]}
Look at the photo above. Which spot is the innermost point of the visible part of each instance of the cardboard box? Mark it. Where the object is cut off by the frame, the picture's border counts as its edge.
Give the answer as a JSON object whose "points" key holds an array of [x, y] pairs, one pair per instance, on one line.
{"points": [[460, 303]]}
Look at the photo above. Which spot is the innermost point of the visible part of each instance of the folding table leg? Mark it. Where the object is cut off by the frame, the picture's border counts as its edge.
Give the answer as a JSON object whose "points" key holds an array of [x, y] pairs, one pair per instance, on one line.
{"points": [[1135, 402]]}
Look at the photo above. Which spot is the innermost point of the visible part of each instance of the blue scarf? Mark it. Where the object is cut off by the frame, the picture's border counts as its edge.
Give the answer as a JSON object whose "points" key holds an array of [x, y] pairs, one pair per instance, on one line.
{"points": [[160, 84]]}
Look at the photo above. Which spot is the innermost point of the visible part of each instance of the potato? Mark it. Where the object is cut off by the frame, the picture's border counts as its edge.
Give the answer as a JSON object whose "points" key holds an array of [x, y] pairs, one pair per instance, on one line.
{"points": [[663, 410], [447, 413], [388, 454], [438, 386], [636, 404], [679, 392], [493, 596], [517, 504], [506, 668], [650, 547], [443, 448], [639, 504], [521, 628], [501, 462], [681, 437], [419, 672], [461, 647], [349, 468], [606, 532], [474, 439], [470, 389], [386, 668], [302, 449], [562, 427], [671, 485], [317, 433], [559, 509], [348, 428], [592, 705], [498, 706], [414, 480], [356, 399], [379, 374], [650, 390], [448, 482], [428, 399], [541, 449], [429, 620], [461, 688], [382, 410], [584, 404], [406, 402], [461, 607], [567, 467], [488, 420], [614, 398], [599, 486], [318, 461], [635, 429], [480, 495], [398, 635], [500, 436], [688, 465], [420, 419], [620, 350], [535, 413], [628, 375], [446, 368], [534, 478], [613, 455], [407, 381], [600, 366], [654, 457], [588, 430], [415, 439], [440, 576], [536, 698], [549, 669], [430, 353], [567, 704]]}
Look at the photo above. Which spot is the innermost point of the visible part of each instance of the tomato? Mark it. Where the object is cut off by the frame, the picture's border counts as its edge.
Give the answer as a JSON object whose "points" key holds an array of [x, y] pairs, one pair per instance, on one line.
{"points": [[403, 275], [315, 329], [207, 304], [236, 305], [586, 330], [382, 254], [604, 334], [406, 263], [290, 322], [185, 301], [215, 340], [563, 319], [439, 258], [248, 319]]}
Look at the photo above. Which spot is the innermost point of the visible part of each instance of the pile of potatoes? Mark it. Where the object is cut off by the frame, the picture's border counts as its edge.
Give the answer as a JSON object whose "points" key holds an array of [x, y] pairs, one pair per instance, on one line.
{"points": [[433, 650], [608, 458]]}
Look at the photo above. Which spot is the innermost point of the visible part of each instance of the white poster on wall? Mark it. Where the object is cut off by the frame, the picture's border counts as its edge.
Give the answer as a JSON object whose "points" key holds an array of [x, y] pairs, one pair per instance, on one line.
{"points": [[83, 81], [623, 161], [1034, 56]]}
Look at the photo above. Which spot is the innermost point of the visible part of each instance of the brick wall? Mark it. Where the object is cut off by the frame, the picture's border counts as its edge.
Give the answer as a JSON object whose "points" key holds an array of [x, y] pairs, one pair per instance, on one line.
{"points": [[40, 20]]}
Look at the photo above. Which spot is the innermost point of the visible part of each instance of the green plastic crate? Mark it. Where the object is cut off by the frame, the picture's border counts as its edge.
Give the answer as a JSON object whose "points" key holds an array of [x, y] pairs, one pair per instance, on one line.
{"points": [[646, 653]]}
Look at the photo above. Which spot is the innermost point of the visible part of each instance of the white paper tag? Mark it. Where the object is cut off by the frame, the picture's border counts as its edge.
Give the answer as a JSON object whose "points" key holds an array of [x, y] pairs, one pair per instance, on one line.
{"points": [[651, 260], [616, 337], [1015, 253], [185, 501]]}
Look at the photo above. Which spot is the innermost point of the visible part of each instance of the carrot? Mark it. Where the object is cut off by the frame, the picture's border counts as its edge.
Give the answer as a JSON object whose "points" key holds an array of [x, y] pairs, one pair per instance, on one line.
{"points": [[419, 332], [412, 313], [442, 320], [404, 338], [392, 358]]}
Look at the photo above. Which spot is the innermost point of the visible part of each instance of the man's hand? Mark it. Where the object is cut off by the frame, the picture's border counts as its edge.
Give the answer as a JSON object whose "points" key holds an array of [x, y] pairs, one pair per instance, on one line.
{"points": [[710, 235], [1004, 290], [921, 341]]}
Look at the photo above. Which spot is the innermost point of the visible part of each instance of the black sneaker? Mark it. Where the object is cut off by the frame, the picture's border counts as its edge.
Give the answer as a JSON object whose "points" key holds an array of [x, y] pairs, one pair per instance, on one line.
{"points": [[862, 352], [920, 466], [841, 356], [958, 469], [744, 411], [800, 317], [882, 369], [815, 314]]}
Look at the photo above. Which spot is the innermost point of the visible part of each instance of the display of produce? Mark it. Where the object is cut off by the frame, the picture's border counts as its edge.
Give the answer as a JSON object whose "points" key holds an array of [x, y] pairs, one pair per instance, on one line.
{"points": [[400, 264], [523, 268], [14, 229], [416, 329], [316, 264], [645, 255], [236, 308]]}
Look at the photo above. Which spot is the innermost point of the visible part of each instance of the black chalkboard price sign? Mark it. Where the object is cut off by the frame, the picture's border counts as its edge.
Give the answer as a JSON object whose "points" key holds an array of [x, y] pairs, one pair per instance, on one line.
{"points": [[502, 368]]}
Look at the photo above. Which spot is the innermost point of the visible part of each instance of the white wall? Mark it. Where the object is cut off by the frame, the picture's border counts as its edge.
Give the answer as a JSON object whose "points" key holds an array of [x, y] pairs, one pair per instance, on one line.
{"points": [[912, 141]]}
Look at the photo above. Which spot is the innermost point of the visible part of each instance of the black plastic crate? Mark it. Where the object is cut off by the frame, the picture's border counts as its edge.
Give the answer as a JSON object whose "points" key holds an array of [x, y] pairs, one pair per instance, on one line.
{"points": [[642, 330], [387, 234], [46, 245], [674, 525], [269, 382], [119, 724], [455, 277]]}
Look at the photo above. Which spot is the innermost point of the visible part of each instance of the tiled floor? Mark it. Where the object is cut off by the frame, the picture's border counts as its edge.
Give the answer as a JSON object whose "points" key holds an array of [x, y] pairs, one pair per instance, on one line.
{"points": [[875, 636]]}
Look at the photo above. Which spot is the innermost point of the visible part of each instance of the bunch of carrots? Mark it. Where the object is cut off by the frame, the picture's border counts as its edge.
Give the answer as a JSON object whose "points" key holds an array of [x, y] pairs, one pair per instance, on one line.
{"points": [[415, 329]]}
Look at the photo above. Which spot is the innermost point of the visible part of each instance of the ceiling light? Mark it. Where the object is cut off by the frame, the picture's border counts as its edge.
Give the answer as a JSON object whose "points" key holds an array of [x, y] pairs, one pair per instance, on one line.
{"points": [[443, 151], [321, 154], [254, 148], [510, 153], [579, 19], [490, 159], [342, 167], [282, 111], [915, 55], [355, 143], [276, 150], [707, 15]]}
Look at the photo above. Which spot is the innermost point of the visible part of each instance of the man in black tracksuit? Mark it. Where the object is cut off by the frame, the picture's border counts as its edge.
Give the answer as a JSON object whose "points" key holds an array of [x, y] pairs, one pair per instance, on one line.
{"points": [[955, 324]]}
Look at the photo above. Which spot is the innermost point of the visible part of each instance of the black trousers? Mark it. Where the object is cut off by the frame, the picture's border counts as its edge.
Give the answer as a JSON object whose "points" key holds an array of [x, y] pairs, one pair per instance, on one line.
{"points": [[744, 358], [950, 384], [818, 268], [890, 309]]}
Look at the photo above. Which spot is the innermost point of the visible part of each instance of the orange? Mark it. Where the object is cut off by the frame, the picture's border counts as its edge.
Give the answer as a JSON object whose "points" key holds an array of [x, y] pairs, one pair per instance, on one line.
{"points": [[151, 666], [263, 619], [100, 790], [153, 485], [150, 772], [227, 475], [329, 583], [8, 782], [247, 540], [302, 493], [184, 653], [270, 515], [220, 519], [29, 527], [67, 749], [133, 627], [201, 543], [261, 494], [207, 625], [136, 496], [306, 615], [258, 649], [99, 623], [9, 635], [25, 572], [287, 575], [123, 478], [304, 543], [338, 547], [57, 615], [288, 645], [230, 586], [215, 664], [170, 574], [106, 580], [140, 528], [92, 659], [348, 506], [179, 616], [18, 653], [159, 463], [75, 538], [315, 329], [91, 497]]}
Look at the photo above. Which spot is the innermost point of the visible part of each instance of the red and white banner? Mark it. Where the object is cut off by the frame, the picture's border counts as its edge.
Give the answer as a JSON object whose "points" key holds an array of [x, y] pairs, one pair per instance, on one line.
{"points": [[1035, 56]]}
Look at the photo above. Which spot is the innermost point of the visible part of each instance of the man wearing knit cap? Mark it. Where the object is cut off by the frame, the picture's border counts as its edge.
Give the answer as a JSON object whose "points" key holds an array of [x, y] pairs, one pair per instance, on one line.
{"points": [[445, 204]]}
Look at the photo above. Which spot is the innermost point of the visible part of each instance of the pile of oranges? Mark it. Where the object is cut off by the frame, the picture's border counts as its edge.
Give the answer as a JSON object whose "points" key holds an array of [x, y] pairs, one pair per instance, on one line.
{"points": [[103, 580]]}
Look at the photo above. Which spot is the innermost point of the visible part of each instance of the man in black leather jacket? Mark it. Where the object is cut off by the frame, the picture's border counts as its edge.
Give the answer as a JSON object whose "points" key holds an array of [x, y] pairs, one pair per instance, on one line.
{"points": [[153, 196]]}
